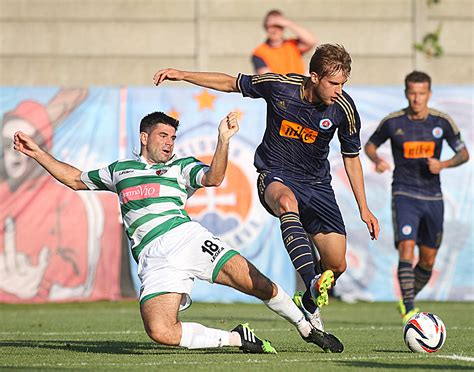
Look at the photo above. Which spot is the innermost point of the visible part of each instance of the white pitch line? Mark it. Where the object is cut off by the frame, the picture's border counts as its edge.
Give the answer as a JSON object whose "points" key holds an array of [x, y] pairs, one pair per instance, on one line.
{"points": [[457, 357]]}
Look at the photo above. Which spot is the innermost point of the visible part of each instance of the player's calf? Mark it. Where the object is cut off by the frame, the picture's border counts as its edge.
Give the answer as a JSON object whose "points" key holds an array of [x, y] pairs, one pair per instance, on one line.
{"points": [[169, 335], [242, 275]]}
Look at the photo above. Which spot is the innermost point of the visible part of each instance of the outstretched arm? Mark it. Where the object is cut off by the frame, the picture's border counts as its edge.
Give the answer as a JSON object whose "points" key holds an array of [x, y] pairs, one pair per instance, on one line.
{"points": [[354, 172], [216, 173], [212, 80], [64, 173]]}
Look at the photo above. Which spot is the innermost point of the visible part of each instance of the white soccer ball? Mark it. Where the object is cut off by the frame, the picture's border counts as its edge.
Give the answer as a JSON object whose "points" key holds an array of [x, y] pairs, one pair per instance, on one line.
{"points": [[424, 333]]}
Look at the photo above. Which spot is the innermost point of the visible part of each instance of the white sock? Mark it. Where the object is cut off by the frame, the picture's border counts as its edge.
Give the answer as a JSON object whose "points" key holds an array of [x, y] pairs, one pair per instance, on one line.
{"points": [[286, 308], [197, 336]]}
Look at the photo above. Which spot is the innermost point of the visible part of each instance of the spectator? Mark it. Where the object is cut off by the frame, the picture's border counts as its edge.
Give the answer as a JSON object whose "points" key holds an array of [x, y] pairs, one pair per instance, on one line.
{"points": [[280, 55]]}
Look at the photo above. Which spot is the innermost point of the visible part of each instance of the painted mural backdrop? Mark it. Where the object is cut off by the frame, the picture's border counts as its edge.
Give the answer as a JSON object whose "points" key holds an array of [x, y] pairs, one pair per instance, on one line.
{"points": [[58, 245]]}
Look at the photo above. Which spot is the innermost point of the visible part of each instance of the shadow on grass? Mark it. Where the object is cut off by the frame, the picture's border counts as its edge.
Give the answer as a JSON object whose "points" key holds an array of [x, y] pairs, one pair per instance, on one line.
{"points": [[111, 347], [382, 365]]}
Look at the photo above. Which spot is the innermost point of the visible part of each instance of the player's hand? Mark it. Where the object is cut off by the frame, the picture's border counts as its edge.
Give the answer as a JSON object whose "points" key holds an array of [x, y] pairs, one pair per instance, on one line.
{"points": [[382, 166], [434, 165], [277, 21], [372, 223], [17, 275], [25, 144], [228, 126], [167, 74]]}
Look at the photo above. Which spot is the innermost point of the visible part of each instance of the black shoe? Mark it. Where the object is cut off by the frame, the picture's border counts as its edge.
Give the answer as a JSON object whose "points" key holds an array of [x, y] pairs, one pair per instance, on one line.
{"points": [[326, 341], [251, 343]]}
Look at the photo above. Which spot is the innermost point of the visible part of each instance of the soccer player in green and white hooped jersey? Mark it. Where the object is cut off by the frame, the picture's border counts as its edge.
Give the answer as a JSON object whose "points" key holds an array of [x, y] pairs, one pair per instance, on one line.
{"points": [[171, 250]]}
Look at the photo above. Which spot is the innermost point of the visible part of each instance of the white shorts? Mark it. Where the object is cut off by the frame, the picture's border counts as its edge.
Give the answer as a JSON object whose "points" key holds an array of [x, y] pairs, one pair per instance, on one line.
{"points": [[171, 262]]}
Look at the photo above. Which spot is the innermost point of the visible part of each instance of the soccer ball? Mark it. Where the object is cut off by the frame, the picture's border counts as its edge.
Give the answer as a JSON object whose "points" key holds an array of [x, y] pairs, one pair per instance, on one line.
{"points": [[424, 333]]}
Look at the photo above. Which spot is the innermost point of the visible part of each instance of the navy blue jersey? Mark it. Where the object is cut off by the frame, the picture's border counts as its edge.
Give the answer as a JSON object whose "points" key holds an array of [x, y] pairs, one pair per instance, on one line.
{"points": [[413, 142], [298, 133]]}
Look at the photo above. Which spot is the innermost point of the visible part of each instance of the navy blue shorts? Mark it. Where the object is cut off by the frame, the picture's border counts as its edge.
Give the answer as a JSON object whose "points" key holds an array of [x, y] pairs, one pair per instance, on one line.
{"points": [[317, 205], [418, 220]]}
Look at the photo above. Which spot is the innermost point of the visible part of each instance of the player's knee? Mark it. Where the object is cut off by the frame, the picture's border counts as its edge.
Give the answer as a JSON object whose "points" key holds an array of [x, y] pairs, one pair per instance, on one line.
{"points": [[287, 203], [163, 333], [427, 263], [406, 250], [340, 268]]}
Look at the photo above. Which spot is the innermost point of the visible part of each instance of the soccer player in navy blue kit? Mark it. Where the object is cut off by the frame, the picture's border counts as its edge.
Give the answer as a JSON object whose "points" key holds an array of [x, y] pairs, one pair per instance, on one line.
{"points": [[416, 134], [303, 115]]}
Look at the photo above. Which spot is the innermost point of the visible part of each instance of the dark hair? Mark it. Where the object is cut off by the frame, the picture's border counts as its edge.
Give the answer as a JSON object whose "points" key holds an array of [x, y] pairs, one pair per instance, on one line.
{"points": [[150, 120], [417, 77], [329, 59], [273, 12]]}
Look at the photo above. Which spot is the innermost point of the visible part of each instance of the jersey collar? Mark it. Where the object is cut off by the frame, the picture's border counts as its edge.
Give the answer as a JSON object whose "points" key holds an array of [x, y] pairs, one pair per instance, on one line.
{"points": [[143, 160]]}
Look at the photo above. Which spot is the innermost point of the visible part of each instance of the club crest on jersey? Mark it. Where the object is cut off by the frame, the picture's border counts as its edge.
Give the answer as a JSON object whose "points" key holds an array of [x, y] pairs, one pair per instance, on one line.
{"points": [[437, 132], [162, 171], [325, 124], [406, 230]]}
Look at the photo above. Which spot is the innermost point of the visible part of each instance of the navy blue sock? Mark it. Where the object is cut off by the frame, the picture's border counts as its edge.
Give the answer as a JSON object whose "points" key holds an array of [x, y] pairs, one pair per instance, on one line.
{"points": [[422, 277], [298, 246], [318, 267], [406, 278], [308, 303]]}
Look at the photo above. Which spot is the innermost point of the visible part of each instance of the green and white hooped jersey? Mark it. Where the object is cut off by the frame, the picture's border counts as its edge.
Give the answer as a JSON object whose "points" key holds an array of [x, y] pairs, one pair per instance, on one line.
{"points": [[152, 197]]}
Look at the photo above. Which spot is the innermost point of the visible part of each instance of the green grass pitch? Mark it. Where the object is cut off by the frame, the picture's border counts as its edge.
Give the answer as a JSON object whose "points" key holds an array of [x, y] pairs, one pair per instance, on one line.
{"points": [[110, 336]]}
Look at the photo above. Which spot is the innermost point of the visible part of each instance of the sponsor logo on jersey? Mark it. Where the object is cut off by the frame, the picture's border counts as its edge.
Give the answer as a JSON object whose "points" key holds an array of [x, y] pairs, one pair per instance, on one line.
{"points": [[437, 132], [150, 190], [281, 104], [406, 230], [399, 132], [325, 124], [294, 130], [125, 171], [418, 150]]}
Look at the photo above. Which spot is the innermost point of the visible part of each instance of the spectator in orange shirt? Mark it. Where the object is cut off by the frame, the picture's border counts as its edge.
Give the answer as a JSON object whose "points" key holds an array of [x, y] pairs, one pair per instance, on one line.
{"points": [[280, 55]]}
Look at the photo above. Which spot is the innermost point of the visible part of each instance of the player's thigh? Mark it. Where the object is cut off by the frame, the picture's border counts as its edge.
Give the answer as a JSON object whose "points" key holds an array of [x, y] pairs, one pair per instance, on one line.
{"points": [[242, 275], [275, 195], [430, 232], [201, 255], [320, 212], [406, 249], [160, 318], [406, 216], [332, 249]]}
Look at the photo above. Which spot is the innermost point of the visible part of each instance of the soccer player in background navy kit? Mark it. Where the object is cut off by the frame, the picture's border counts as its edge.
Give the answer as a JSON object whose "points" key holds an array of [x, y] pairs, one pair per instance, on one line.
{"points": [[303, 114], [416, 134]]}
